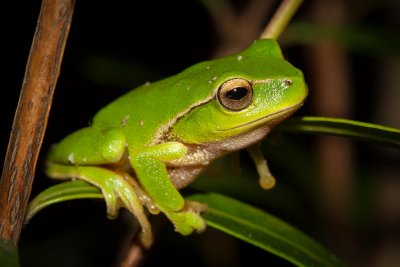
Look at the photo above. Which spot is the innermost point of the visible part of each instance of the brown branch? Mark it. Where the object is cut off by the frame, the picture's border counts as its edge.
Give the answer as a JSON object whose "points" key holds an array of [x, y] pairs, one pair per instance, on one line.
{"points": [[31, 116]]}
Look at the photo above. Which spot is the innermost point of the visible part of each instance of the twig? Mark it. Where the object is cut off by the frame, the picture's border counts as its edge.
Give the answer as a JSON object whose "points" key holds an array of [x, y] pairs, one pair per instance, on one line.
{"points": [[280, 19], [134, 255], [31, 116]]}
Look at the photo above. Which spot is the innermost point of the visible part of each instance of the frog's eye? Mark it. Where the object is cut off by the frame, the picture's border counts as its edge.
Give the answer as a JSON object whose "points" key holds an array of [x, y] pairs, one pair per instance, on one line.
{"points": [[235, 94]]}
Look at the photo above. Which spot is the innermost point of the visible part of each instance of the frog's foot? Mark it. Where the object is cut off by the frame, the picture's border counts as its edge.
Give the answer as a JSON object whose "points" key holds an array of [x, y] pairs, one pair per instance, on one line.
{"points": [[266, 179], [143, 196], [188, 219], [117, 191]]}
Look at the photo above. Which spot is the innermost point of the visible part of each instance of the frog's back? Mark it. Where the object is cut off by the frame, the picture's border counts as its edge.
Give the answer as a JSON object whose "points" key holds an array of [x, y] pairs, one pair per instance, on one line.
{"points": [[146, 113], [143, 111]]}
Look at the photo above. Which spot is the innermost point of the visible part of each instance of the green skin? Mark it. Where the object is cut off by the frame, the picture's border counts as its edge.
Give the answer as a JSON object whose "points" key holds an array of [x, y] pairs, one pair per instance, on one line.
{"points": [[154, 140]]}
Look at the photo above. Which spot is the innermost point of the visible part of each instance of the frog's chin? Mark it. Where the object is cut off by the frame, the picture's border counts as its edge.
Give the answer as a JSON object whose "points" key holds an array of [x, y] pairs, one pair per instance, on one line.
{"points": [[270, 120]]}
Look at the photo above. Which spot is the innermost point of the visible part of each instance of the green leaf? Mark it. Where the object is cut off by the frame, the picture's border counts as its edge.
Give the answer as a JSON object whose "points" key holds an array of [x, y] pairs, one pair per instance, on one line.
{"points": [[264, 230], [365, 40], [231, 216], [372, 133], [61, 192], [8, 254]]}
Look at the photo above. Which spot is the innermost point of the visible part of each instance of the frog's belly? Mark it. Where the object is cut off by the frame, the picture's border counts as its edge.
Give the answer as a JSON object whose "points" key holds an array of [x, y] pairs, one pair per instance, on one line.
{"points": [[183, 176], [184, 170]]}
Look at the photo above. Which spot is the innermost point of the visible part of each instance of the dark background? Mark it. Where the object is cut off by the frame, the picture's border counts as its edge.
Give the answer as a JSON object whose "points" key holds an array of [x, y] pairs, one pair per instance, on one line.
{"points": [[115, 46]]}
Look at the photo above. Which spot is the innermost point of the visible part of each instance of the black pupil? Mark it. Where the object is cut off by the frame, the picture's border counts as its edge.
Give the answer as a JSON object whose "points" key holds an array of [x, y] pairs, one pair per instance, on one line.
{"points": [[236, 93]]}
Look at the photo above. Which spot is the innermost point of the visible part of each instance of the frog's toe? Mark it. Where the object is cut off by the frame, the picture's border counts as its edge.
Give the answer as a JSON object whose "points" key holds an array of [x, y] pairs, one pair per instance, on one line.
{"points": [[188, 220], [112, 204], [195, 206]]}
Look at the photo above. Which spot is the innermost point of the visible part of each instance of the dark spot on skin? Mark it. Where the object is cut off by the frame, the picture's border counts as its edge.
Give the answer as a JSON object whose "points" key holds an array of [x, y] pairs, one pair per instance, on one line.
{"points": [[288, 82]]}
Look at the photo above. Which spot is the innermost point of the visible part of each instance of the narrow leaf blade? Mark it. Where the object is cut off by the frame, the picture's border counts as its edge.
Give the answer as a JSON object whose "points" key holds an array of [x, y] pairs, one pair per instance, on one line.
{"points": [[366, 40], [231, 216], [369, 132], [264, 231], [61, 192]]}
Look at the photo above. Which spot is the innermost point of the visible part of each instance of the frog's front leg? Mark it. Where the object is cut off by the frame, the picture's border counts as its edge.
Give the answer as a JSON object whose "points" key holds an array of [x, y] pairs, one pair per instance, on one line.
{"points": [[151, 170]]}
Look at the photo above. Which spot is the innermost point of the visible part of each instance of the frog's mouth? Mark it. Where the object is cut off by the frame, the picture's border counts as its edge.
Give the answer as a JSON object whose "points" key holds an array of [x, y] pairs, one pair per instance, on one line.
{"points": [[271, 119]]}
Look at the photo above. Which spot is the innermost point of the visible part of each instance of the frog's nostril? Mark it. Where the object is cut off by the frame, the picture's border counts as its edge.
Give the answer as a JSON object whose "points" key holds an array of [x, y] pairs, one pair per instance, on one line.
{"points": [[288, 82]]}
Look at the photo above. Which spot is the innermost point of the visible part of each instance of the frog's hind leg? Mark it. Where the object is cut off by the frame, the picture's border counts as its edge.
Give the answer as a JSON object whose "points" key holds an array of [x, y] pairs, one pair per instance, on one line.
{"points": [[117, 191]]}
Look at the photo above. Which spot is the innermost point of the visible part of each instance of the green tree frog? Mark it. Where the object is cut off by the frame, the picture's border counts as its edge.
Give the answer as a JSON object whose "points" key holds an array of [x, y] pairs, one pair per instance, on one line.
{"points": [[146, 145]]}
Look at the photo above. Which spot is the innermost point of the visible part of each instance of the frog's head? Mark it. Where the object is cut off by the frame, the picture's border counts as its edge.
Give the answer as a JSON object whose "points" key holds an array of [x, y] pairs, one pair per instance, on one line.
{"points": [[245, 92]]}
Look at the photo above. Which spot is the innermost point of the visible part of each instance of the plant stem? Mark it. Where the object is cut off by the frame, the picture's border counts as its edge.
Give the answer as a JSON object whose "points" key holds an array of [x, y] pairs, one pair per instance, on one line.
{"points": [[32, 112], [280, 19]]}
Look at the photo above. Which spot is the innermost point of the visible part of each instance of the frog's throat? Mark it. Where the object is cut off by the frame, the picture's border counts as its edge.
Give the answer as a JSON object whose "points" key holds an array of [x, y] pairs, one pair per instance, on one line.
{"points": [[272, 118]]}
